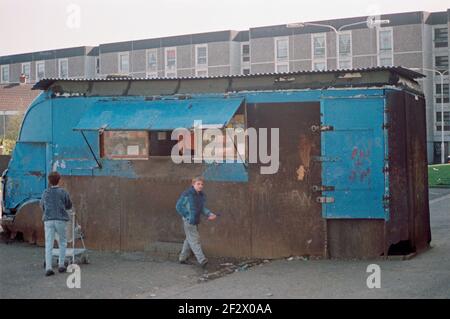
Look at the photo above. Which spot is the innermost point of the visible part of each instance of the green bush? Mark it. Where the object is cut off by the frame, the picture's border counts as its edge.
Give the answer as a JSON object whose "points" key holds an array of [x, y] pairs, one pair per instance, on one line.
{"points": [[439, 175]]}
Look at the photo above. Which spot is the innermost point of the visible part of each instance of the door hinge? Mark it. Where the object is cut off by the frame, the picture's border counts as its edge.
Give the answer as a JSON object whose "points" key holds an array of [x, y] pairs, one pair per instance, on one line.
{"points": [[325, 200], [322, 188], [322, 128]]}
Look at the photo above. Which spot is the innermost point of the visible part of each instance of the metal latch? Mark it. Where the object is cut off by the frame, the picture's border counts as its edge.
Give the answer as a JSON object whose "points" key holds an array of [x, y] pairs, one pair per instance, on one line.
{"points": [[386, 201], [322, 128], [322, 188], [325, 200], [325, 158]]}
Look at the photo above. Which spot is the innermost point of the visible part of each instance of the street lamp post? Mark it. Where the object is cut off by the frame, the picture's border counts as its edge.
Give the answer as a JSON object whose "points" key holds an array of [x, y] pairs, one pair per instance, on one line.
{"points": [[442, 108], [369, 22]]}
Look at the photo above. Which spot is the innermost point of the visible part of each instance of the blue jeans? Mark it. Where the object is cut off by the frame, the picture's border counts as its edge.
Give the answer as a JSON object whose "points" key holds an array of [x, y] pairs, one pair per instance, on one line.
{"points": [[52, 226]]}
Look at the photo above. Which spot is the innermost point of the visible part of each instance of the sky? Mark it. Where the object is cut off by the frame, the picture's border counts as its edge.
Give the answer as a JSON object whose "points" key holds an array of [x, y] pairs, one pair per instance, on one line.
{"points": [[34, 25]]}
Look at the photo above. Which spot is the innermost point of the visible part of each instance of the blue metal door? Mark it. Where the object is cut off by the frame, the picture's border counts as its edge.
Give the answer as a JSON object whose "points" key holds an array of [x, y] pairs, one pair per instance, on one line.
{"points": [[26, 176], [353, 155]]}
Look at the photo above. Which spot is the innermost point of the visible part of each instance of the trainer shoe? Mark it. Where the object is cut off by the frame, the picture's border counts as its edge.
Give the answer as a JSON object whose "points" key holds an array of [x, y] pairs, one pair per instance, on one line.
{"points": [[204, 263], [49, 273], [62, 269]]}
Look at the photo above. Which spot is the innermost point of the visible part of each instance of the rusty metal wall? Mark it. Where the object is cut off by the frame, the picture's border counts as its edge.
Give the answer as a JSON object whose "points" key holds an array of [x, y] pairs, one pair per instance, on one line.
{"points": [[127, 214], [355, 238], [271, 216], [418, 170], [286, 220], [408, 174]]}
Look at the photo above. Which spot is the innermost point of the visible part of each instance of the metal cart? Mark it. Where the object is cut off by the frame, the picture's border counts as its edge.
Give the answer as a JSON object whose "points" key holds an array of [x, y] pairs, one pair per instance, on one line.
{"points": [[74, 234]]}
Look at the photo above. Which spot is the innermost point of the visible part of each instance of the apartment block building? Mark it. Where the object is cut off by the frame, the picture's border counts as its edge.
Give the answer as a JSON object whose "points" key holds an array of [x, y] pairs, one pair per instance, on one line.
{"points": [[205, 54], [65, 63], [413, 39]]}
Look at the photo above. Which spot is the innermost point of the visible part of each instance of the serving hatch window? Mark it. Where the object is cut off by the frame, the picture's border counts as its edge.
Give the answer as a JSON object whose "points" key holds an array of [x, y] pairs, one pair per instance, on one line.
{"points": [[228, 144], [124, 144]]}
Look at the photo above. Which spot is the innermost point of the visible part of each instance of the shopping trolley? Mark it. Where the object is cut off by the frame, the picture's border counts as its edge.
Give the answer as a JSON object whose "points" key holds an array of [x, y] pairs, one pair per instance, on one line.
{"points": [[74, 234]]}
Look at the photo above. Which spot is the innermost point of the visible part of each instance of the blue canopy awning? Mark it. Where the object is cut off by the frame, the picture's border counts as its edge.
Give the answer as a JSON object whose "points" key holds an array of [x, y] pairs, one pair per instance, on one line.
{"points": [[159, 115]]}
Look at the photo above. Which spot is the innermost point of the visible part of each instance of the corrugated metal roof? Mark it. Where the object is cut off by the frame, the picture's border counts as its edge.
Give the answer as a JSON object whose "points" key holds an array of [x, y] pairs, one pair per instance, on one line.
{"points": [[44, 84]]}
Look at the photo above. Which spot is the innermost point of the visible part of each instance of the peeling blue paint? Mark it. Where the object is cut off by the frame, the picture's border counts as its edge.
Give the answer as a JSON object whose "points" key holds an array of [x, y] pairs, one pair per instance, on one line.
{"points": [[226, 172]]}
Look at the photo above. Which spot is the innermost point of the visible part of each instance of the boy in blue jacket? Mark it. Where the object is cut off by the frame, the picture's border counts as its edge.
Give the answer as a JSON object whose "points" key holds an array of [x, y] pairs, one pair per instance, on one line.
{"points": [[55, 202], [190, 206]]}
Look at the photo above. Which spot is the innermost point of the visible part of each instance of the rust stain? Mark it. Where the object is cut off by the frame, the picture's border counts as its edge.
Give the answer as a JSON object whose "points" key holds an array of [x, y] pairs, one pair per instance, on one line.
{"points": [[301, 171], [305, 147], [36, 173]]}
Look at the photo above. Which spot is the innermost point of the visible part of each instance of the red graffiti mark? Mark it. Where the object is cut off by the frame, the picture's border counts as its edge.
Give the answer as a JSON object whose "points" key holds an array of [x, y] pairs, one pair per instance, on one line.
{"points": [[364, 174], [355, 152], [360, 169]]}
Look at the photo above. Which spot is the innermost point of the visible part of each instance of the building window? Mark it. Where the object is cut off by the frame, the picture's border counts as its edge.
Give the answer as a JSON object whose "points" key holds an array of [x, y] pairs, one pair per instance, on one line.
{"points": [[345, 50], [439, 121], [171, 62], [201, 60], [442, 97], [441, 63], [4, 74], [245, 58], [282, 54], [63, 67], [385, 47], [319, 45], [245, 52], [97, 65], [319, 51], [124, 144], [124, 63], [26, 70], [152, 63], [40, 70], [440, 37], [282, 49], [228, 144]]}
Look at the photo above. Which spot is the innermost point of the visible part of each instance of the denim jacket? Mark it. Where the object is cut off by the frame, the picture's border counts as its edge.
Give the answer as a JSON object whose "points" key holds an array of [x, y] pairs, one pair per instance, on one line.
{"points": [[191, 205], [55, 202]]}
